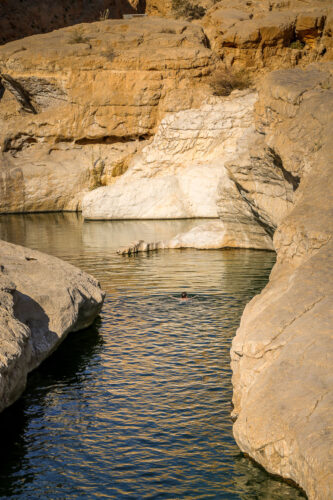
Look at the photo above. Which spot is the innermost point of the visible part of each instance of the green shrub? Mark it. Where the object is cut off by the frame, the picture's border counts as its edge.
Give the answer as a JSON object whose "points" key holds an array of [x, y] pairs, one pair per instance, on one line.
{"points": [[77, 36], [185, 8], [297, 44], [223, 82]]}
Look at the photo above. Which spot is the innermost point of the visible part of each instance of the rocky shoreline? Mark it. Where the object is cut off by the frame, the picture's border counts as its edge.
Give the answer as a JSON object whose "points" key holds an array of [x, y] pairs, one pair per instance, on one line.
{"points": [[42, 299]]}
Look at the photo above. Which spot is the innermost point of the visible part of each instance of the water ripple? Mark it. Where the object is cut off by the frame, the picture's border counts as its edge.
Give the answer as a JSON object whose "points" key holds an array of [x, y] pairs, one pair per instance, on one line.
{"points": [[138, 406]]}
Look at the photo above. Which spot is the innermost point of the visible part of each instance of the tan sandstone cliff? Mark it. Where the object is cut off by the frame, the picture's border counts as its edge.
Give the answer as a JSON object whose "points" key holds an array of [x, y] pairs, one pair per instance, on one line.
{"points": [[37, 312], [77, 103], [282, 355], [264, 35]]}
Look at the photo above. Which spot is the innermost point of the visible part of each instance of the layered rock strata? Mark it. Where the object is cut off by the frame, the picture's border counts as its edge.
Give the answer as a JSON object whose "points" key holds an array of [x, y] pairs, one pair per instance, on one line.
{"points": [[42, 299], [265, 35], [205, 162], [74, 99], [282, 355]]}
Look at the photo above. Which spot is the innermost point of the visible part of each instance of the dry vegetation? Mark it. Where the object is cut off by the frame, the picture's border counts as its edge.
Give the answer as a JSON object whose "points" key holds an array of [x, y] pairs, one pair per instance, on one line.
{"points": [[223, 82], [297, 44], [187, 9], [104, 15], [77, 36]]}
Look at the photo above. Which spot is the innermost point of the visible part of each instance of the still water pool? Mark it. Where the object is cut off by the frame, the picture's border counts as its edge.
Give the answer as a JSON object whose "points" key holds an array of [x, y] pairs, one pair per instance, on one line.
{"points": [[137, 406]]}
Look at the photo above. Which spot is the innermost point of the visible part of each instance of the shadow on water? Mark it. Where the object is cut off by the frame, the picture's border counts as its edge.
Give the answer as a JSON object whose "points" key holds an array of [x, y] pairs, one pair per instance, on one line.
{"points": [[65, 366], [138, 406]]}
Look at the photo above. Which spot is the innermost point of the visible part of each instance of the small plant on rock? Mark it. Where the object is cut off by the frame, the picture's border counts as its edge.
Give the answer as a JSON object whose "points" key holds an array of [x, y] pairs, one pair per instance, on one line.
{"points": [[224, 81], [104, 15], [297, 45], [109, 54], [77, 36], [185, 8], [326, 85]]}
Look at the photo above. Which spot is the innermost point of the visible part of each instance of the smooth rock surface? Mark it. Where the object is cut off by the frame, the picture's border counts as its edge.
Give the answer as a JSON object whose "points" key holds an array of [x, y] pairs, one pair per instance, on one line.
{"points": [[282, 354], [208, 236], [53, 178], [42, 299]]}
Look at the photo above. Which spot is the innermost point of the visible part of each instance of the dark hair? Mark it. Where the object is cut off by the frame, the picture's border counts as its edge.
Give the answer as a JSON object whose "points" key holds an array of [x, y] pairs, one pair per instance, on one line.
{"points": [[184, 294]]}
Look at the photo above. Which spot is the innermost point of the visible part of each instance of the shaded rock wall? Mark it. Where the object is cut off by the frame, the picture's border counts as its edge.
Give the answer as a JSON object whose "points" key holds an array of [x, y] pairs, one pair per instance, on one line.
{"points": [[37, 312], [281, 356], [21, 18]]}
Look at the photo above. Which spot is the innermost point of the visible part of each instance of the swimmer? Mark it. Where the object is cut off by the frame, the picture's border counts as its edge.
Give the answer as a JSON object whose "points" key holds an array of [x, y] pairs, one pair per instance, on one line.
{"points": [[183, 297]]}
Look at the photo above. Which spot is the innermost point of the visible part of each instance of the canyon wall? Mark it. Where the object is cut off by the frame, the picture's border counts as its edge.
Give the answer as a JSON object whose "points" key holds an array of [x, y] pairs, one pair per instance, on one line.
{"points": [[37, 312], [282, 354], [92, 112], [77, 103]]}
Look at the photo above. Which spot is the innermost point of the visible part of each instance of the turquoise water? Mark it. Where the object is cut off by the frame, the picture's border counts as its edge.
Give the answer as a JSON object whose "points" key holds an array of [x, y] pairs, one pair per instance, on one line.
{"points": [[137, 406]]}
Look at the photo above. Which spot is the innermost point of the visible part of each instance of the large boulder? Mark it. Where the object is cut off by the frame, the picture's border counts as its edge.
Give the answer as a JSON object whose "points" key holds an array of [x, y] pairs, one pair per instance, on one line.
{"points": [[78, 102], [42, 299], [282, 355]]}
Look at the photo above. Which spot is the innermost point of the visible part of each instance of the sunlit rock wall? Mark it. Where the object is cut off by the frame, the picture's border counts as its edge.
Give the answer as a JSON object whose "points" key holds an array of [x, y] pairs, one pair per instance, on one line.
{"points": [[77, 103], [282, 356]]}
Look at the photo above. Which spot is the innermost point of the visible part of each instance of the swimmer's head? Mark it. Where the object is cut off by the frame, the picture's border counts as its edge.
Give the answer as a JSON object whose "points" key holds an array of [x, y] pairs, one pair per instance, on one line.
{"points": [[184, 295]]}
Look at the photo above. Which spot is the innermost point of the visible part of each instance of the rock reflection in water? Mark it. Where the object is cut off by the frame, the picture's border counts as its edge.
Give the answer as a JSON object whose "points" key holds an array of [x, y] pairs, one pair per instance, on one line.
{"points": [[138, 406]]}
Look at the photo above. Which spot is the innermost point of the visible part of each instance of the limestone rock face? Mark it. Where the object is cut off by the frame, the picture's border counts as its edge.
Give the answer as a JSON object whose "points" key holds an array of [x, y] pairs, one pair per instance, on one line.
{"points": [[86, 94], [99, 80], [211, 235], [42, 299], [201, 163], [266, 35], [47, 178], [282, 356]]}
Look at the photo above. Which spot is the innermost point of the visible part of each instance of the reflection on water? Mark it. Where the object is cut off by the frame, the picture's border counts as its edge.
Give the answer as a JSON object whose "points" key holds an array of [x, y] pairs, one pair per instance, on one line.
{"points": [[138, 405]]}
